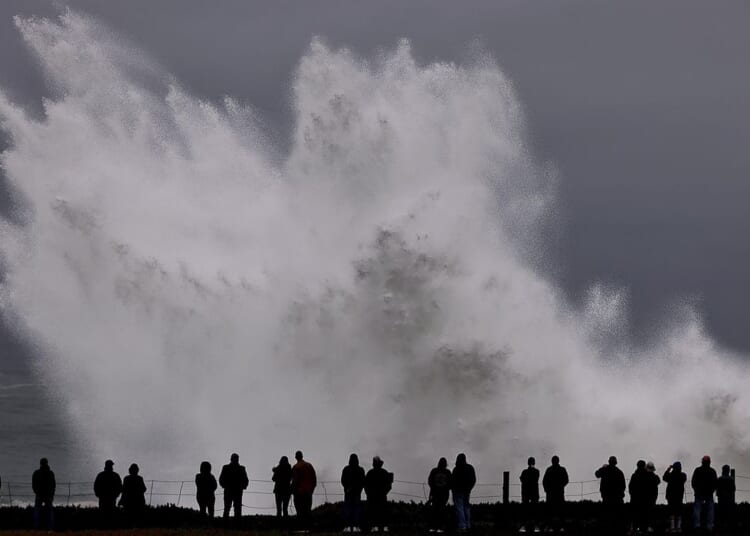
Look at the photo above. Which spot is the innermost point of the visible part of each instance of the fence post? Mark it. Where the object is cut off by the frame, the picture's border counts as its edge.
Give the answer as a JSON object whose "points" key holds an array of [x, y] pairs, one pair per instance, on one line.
{"points": [[10, 496], [151, 493], [325, 492], [581, 490], [424, 490], [506, 487], [179, 495], [68, 493]]}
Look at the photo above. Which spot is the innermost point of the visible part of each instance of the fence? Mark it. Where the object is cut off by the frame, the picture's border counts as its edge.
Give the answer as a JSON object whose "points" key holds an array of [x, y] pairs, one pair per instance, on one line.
{"points": [[259, 495]]}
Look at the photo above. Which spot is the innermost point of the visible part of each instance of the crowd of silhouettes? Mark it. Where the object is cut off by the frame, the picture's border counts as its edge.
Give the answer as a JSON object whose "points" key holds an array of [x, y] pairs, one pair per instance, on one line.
{"points": [[298, 482]]}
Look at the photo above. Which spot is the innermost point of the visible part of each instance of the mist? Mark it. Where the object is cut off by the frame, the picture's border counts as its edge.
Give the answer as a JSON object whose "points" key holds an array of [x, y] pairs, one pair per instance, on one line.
{"points": [[192, 289]]}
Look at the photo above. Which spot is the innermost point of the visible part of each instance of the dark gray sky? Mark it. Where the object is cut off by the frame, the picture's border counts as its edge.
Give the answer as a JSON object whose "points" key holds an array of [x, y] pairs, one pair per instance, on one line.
{"points": [[642, 106]]}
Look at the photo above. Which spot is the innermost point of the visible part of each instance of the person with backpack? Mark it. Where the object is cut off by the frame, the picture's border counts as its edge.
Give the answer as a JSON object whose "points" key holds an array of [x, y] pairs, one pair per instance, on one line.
{"points": [[378, 482], [439, 482], [353, 482]]}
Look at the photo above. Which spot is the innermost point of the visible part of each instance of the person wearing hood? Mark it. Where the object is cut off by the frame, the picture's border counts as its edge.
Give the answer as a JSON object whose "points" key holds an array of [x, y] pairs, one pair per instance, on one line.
{"points": [[675, 479], [43, 485], [282, 486], [378, 482], [464, 480], [439, 482], [205, 490], [133, 498], [353, 482], [612, 490], [725, 495], [704, 482]]}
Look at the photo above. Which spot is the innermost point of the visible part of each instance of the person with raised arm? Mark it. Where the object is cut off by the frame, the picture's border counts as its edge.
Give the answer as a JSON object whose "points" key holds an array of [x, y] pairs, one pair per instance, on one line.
{"points": [[612, 490], [675, 479]]}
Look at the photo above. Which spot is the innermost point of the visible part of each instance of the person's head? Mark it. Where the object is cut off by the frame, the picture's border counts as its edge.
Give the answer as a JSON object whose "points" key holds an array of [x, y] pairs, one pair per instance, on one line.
{"points": [[108, 465], [725, 469], [641, 464], [283, 460], [532, 461], [377, 462], [650, 467], [133, 469], [298, 456], [461, 459], [234, 458], [706, 461], [677, 466], [44, 463], [442, 463], [353, 460], [555, 460], [612, 460], [205, 467]]}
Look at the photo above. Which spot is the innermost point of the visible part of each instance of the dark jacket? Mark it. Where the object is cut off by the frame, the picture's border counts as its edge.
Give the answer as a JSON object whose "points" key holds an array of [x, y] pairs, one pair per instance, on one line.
{"points": [[611, 483], [43, 482], [464, 478], [233, 478], [554, 482], [133, 492], [704, 482], [530, 484], [205, 485], [440, 482], [378, 483], [675, 486], [353, 480], [304, 479], [643, 487], [282, 479], [725, 489], [107, 485]]}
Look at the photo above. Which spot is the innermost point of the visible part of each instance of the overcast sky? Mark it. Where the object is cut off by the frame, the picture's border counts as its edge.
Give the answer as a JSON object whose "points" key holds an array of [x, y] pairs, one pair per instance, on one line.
{"points": [[641, 106]]}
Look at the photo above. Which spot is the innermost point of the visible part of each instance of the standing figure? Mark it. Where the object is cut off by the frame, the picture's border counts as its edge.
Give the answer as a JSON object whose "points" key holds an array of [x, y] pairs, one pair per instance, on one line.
{"points": [[725, 494], [464, 480], [554, 482], [107, 487], [304, 481], [133, 499], [378, 483], [529, 495], [612, 489], [233, 478], [675, 479], [205, 490], [353, 482], [282, 486], [439, 482], [704, 484], [43, 484]]}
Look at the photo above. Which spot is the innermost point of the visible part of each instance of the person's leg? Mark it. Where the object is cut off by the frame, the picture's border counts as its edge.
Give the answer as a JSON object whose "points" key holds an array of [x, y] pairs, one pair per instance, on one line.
{"points": [[285, 505], [202, 506], [710, 514], [37, 511], [458, 504], [51, 516], [227, 503], [697, 514], [238, 505], [279, 499], [210, 503]]}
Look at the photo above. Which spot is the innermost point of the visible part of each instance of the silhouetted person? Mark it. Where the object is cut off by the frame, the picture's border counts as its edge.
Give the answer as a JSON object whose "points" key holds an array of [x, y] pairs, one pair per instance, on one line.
{"points": [[353, 482], [43, 484], [107, 487], [643, 488], [725, 495], [205, 489], [282, 486], [612, 489], [704, 484], [378, 483], [233, 478], [133, 499], [439, 482], [675, 479], [529, 495], [464, 480], [554, 482], [304, 481]]}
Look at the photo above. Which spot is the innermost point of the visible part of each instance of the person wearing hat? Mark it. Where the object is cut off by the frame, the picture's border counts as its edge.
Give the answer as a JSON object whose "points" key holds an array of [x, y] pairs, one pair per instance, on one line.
{"points": [[107, 487], [675, 479], [439, 482], [378, 483], [43, 484], [704, 485], [612, 489], [133, 498]]}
